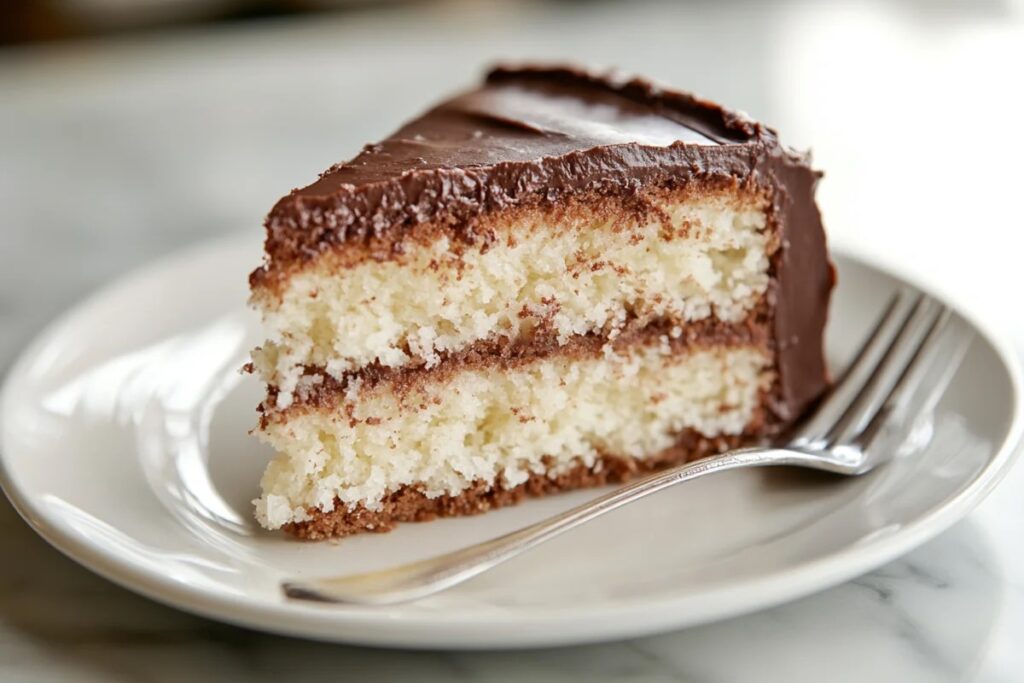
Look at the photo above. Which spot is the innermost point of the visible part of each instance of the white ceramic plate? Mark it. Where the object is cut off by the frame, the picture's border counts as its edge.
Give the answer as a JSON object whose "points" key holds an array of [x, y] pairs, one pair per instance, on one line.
{"points": [[124, 444]]}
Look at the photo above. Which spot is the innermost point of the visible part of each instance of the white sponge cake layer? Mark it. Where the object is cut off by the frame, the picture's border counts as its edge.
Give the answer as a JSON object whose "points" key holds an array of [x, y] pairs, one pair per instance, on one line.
{"points": [[498, 425], [570, 271]]}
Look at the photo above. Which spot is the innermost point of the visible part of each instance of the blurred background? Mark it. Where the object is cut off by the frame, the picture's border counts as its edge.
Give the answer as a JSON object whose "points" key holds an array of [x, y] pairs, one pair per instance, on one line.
{"points": [[129, 128]]}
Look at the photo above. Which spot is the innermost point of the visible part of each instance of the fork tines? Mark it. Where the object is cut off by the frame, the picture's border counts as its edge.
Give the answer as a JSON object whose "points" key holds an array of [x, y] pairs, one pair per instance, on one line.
{"points": [[886, 372]]}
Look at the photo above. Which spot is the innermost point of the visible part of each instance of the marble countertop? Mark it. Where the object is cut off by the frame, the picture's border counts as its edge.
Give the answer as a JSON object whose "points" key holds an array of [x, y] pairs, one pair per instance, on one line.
{"points": [[115, 153]]}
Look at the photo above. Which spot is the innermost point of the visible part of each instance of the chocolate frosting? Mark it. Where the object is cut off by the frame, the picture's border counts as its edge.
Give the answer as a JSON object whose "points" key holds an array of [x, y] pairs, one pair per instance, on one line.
{"points": [[538, 134]]}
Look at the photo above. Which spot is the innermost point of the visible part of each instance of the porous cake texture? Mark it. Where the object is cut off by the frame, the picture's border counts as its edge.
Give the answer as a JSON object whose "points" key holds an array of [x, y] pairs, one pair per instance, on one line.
{"points": [[574, 269], [556, 280]]}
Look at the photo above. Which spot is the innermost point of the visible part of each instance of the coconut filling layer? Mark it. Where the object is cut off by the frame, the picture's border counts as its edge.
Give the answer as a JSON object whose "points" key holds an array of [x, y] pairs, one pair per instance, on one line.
{"points": [[498, 425], [573, 273]]}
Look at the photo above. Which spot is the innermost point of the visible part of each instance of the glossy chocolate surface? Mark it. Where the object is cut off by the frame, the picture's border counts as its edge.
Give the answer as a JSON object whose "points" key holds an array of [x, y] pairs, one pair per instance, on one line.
{"points": [[533, 136]]}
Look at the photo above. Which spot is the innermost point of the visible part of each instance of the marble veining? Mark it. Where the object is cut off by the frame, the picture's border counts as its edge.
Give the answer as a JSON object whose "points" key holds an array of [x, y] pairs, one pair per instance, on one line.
{"points": [[929, 616]]}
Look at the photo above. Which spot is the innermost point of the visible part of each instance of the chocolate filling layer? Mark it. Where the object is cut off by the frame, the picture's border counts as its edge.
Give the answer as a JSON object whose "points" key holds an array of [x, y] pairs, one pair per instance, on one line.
{"points": [[540, 135], [326, 392]]}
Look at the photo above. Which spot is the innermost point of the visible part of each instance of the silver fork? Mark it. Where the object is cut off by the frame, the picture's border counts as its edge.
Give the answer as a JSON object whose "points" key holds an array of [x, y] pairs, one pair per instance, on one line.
{"points": [[873, 395]]}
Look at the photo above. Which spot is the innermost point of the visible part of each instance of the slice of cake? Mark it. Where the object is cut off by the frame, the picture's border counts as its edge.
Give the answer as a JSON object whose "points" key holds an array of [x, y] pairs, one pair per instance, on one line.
{"points": [[556, 280]]}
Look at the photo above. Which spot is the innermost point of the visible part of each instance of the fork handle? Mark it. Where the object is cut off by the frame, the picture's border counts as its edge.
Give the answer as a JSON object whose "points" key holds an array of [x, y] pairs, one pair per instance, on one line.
{"points": [[426, 577]]}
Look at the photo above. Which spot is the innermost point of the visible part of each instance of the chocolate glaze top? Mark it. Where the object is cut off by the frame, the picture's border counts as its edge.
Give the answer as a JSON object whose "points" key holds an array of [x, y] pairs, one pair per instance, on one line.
{"points": [[524, 115], [538, 134], [528, 134]]}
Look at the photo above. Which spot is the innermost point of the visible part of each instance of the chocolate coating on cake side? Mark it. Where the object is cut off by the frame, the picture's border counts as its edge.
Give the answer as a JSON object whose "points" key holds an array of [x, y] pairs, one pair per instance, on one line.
{"points": [[537, 135]]}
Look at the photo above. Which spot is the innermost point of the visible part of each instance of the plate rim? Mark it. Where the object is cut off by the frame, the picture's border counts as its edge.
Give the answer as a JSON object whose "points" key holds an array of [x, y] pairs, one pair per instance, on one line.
{"points": [[470, 630]]}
